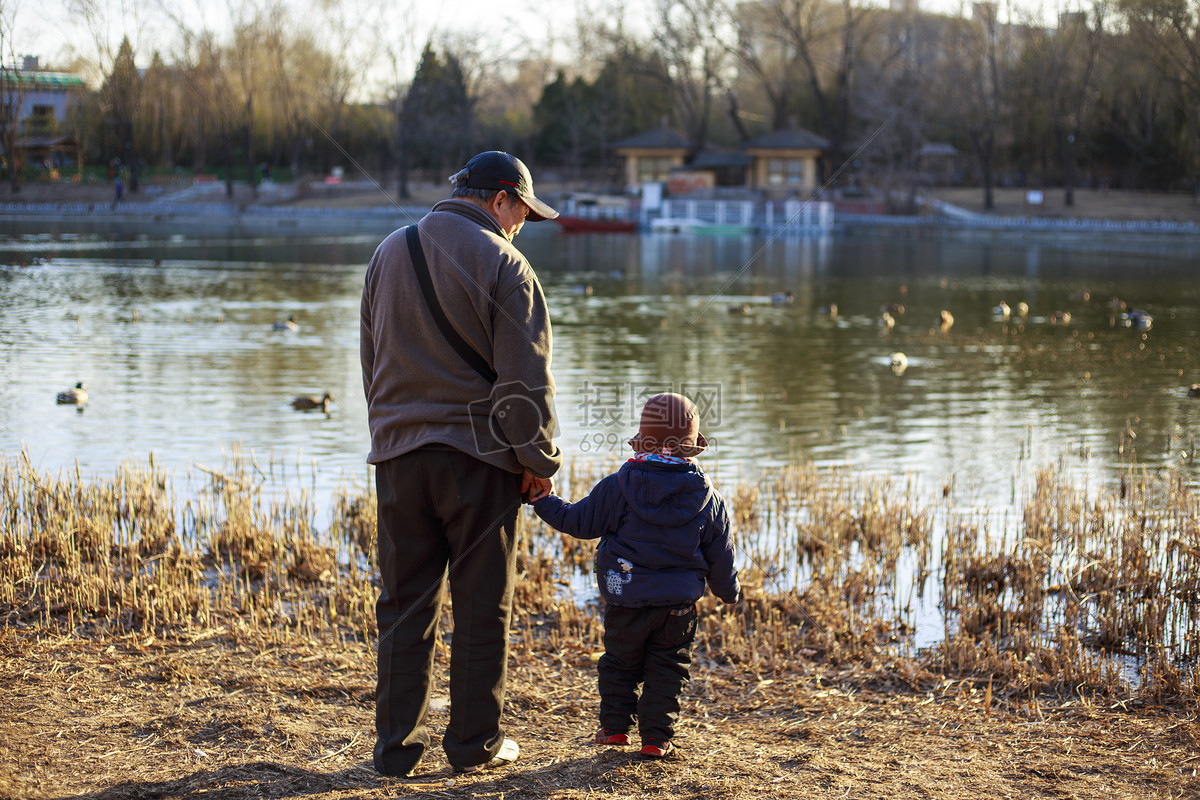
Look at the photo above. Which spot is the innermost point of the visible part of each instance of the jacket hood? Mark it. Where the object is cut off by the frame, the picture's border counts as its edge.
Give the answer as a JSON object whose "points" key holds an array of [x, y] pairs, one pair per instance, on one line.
{"points": [[471, 212], [664, 494]]}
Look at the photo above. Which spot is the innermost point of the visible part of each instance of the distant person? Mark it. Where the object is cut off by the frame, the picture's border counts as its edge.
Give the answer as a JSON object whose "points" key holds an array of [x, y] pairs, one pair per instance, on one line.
{"points": [[118, 191], [460, 407], [664, 533]]}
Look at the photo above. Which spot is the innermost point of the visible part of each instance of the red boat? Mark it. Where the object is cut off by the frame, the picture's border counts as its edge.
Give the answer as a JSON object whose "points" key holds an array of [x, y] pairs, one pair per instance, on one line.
{"points": [[587, 225]]}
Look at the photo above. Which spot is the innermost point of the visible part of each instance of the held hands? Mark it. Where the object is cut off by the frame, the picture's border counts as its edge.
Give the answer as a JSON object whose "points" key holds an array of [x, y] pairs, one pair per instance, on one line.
{"points": [[535, 488]]}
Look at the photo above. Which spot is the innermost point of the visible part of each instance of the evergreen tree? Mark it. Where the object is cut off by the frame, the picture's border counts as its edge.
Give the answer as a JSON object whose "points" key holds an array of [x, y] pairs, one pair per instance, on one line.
{"points": [[576, 122], [437, 115], [121, 94]]}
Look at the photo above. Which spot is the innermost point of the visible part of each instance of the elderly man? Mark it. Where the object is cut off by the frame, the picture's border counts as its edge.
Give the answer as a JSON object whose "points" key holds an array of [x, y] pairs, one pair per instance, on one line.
{"points": [[455, 345]]}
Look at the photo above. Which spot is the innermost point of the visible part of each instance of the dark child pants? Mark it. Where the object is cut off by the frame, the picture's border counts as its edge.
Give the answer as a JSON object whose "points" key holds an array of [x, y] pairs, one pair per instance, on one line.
{"points": [[652, 647], [443, 513]]}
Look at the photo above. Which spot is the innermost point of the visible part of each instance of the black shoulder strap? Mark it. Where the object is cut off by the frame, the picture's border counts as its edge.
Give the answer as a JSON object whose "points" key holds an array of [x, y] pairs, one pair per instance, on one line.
{"points": [[477, 362]]}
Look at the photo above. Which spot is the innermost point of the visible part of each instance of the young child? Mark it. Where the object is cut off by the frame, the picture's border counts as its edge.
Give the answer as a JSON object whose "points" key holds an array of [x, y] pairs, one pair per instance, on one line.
{"points": [[663, 532]]}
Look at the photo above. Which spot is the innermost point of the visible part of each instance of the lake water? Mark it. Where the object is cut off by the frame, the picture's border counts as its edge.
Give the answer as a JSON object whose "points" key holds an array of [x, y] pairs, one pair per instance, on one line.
{"points": [[173, 335]]}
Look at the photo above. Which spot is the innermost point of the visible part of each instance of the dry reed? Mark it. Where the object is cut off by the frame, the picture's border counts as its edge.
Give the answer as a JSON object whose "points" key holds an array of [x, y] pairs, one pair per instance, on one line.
{"points": [[1096, 593]]}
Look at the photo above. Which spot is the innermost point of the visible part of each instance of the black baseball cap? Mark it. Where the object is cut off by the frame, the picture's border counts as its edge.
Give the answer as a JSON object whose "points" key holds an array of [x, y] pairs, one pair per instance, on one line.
{"points": [[496, 170]]}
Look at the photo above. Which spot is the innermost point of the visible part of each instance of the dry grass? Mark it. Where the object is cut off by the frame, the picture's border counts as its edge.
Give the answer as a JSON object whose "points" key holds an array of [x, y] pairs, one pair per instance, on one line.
{"points": [[160, 647]]}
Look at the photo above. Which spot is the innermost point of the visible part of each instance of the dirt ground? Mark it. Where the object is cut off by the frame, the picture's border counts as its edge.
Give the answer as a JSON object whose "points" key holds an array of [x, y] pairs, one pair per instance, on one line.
{"points": [[222, 715], [68, 193], [1089, 203]]}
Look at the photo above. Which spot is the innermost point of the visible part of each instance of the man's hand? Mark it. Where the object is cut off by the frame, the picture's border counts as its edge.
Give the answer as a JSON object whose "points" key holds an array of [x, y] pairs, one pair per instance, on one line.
{"points": [[535, 488]]}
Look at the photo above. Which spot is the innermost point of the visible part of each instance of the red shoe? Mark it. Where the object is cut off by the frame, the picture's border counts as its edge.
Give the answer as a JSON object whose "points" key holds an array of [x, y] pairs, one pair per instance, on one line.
{"points": [[605, 736], [657, 749]]}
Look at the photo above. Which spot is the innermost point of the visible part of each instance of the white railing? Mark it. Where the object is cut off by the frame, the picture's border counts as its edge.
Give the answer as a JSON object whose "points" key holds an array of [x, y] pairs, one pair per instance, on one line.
{"points": [[770, 217], [709, 212], [801, 214]]}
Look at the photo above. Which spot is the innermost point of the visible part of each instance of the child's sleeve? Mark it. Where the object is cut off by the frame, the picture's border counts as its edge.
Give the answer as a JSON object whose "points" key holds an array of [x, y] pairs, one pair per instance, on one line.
{"points": [[717, 548], [586, 519]]}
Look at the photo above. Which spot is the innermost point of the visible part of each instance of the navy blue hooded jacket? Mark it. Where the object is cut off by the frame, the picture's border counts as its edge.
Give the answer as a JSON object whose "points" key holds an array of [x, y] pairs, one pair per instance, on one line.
{"points": [[663, 531]]}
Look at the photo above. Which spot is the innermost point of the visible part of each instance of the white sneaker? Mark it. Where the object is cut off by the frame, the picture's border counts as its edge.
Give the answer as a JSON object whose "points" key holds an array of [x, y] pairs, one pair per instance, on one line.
{"points": [[507, 754]]}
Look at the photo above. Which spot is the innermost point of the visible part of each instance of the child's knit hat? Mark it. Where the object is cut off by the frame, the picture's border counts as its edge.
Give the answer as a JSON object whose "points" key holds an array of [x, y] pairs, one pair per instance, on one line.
{"points": [[670, 426]]}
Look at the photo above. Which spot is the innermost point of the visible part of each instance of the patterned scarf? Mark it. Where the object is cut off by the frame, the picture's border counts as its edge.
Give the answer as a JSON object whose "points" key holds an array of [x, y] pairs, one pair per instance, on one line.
{"points": [[661, 458]]}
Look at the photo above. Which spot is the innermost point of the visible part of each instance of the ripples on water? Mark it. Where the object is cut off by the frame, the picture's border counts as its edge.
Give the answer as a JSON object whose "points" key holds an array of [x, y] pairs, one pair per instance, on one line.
{"points": [[173, 336]]}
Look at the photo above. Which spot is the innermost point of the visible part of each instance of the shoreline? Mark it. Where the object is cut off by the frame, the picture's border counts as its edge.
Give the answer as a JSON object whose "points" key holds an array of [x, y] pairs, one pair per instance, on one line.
{"points": [[1119, 212], [323, 219]]}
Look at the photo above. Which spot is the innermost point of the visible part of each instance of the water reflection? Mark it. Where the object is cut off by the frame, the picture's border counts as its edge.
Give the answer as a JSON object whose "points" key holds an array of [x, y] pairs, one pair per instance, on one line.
{"points": [[174, 336]]}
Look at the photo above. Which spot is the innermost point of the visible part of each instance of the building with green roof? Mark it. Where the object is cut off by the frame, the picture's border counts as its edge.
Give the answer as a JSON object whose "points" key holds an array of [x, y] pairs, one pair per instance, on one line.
{"points": [[44, 96], [41, 100]]}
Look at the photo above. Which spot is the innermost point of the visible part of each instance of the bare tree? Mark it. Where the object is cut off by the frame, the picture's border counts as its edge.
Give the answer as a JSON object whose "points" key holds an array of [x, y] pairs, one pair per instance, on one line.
{"points": [[295, 66], [12, 94], [1060, 71], [228, 80], [825, 41], [977, 55], [121, 83], [159, 112], [893, 104], [336, 80], [101, 22], [245, 62], [211, 94], [391, 49], [767, 52], [689, 35], [1137, 117], [599, 31], [1171, 34]]}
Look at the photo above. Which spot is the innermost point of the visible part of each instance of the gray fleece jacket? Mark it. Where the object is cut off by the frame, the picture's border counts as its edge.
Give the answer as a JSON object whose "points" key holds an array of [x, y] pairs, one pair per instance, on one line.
{"points": [[419, 390]]}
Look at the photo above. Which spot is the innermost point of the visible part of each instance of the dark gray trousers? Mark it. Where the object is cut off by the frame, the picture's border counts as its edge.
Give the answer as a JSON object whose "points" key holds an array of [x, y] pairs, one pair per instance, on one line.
{"points": [[443, 513], [647, 646]]}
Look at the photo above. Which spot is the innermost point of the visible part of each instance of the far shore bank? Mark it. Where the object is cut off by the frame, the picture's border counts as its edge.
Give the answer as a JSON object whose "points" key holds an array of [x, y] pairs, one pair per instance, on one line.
{"points": [[368, 208]]}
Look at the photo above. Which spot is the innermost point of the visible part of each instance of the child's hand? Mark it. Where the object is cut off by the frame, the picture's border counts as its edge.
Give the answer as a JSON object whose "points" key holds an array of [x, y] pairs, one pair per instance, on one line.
{"points": [[535, 488], [537, 492]]}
